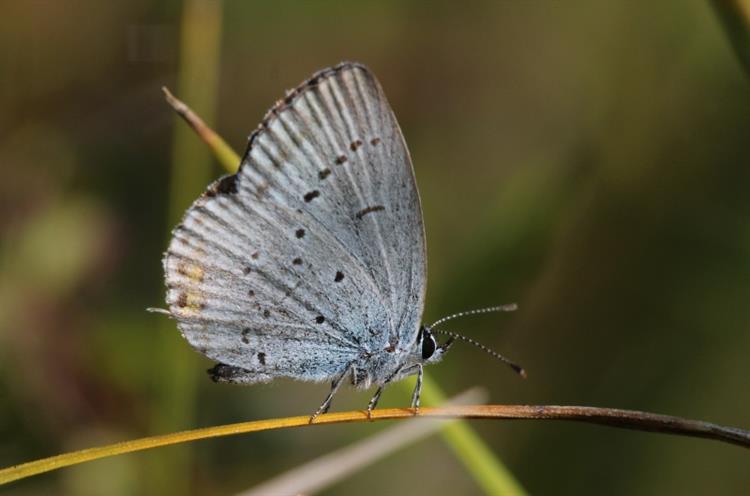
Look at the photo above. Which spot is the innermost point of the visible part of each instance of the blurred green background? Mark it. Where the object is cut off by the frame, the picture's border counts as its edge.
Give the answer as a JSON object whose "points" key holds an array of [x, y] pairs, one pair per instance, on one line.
{"points": [[589, 160]]}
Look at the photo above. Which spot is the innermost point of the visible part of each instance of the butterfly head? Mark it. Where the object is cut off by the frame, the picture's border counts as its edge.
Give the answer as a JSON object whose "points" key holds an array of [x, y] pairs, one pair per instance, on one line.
{"points": [[426, 347], [428, 351]]}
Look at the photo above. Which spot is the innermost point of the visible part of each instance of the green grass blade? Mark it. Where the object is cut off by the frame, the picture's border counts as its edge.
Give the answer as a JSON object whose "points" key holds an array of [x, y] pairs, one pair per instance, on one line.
{"points": [[175, 365], [486, 468]]}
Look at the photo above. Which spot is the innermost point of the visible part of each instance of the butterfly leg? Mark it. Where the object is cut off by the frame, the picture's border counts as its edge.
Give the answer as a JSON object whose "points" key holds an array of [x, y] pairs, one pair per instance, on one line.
{"points": [[323, 408], [399, 373], [417, 390], [374, 400], [355, 382]]}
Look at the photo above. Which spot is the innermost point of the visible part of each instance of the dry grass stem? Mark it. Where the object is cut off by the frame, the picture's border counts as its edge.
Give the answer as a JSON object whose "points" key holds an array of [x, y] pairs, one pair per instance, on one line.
{"points": [[627, 419]]}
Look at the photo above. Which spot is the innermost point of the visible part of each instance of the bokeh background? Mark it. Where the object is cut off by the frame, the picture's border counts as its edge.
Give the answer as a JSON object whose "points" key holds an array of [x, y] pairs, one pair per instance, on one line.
{"points": [[589, 160]]}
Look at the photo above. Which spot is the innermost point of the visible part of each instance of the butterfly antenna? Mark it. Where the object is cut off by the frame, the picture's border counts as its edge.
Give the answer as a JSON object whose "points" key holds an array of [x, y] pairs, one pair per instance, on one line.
{"points": [[517, 368], [510, 307]]}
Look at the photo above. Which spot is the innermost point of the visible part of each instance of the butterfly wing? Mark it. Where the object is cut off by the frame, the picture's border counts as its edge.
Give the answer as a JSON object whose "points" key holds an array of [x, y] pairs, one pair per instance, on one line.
{"points": [[314, 252]]}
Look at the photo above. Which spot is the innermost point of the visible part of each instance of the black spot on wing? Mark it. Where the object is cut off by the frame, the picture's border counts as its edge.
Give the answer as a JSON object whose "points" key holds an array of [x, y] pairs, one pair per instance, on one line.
{"points": [[300, 233], [310, 196], [262, 358], [355, 144], [341, 159], [245, 332], [227, 185], [320, 319], [225, 373], [339, 276], [368, 210], [324, 173]]}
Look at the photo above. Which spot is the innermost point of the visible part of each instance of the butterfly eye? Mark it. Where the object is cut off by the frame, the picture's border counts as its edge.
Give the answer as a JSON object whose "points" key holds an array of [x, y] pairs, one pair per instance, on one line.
{"points": [[428, 345]]}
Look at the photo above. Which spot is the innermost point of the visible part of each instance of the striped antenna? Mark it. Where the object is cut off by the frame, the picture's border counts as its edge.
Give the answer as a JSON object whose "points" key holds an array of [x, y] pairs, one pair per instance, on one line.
{"points": [[510, 307], [517, 368]]}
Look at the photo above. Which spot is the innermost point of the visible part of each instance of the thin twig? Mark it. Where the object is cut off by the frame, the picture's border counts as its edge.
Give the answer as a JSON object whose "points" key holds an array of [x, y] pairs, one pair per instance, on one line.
{"points": [[613, 417], [626, 419], [223, 152]]}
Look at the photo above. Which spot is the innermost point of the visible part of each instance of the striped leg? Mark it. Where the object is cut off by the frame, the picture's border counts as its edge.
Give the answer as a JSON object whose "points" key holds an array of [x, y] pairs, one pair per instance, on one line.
{"points": [[417, 390], [401, 372], [323, 408]]}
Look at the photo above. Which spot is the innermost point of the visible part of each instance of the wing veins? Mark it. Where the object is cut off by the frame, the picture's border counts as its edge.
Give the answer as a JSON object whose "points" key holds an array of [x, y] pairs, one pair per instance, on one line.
{"points": [[339, 94], [312, 292], [275, 283]]}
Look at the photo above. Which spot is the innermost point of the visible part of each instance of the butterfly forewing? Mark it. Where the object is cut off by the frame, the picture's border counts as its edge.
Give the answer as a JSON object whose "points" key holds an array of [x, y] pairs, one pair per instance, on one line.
{"points": [[314, 252]]}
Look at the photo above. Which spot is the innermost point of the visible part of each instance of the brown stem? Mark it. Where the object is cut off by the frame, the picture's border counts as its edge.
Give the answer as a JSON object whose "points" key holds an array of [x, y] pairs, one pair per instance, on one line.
{"points": [[626, 419]]}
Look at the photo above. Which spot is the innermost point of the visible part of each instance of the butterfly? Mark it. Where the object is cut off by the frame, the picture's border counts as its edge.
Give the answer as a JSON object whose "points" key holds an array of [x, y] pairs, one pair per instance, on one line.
{"points": [[309, 263]]}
